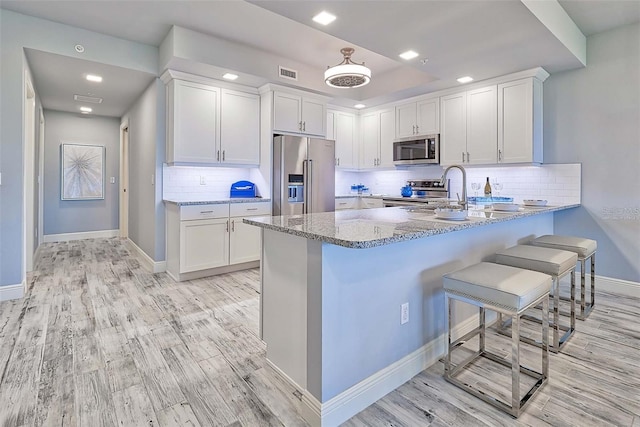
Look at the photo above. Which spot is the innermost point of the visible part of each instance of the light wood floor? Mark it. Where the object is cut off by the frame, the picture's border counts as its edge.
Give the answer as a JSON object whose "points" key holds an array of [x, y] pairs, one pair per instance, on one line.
{"points": [[99, 341]]}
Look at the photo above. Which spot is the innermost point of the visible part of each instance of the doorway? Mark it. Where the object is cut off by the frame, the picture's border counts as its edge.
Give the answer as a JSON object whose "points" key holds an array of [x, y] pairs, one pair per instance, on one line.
{"points": [[124, 180], [29, 225]]}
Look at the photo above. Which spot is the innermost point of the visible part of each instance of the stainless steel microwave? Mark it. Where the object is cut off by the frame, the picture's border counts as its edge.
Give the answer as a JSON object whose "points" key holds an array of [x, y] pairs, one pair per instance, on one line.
{"points": [[425, 150]]}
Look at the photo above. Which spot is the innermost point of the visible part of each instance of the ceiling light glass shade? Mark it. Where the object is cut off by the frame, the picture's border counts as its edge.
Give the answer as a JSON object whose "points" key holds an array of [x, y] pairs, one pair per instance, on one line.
{"points": [[347, 74]]}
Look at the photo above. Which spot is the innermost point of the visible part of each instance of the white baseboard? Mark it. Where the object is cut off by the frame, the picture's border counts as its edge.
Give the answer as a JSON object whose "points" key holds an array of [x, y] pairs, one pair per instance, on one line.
{"points": [[615, 286], [358, 397], [609, 284], [146, 260], [10, 292], [66, 237]]}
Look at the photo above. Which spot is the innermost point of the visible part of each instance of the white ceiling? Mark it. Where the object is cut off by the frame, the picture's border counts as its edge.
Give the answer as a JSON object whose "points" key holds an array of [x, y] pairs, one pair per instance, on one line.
{"points": [[475, 37]]}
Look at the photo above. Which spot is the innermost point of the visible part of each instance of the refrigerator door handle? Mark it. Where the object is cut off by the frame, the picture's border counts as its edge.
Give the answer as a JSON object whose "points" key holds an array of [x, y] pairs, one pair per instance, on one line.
{"points": [[309, 186], [305, 182]]}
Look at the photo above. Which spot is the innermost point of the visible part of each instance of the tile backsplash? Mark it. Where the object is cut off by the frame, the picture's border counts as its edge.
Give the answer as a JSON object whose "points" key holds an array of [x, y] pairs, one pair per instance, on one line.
{"points": [[556, 183], [180, 182]]}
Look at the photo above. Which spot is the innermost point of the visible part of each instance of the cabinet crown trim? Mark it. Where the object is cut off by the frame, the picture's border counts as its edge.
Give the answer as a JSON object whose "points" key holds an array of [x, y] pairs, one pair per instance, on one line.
{"points": [[169, 75], [271, 87]]}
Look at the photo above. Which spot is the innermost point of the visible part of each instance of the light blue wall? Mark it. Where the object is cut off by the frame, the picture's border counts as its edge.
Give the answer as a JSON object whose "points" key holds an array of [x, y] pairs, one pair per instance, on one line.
{"points": [[146, 120], [592, 116], [74, 216], [17, 32]]}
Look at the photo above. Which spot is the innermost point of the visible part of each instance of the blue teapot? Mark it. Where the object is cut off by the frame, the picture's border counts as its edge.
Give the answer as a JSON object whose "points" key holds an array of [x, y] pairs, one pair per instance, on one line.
{"points": [[406, 191]]}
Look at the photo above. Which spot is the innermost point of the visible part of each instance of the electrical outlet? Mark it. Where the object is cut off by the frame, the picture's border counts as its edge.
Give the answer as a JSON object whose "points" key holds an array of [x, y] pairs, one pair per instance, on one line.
{"points": [[112, 180], [203, 181], [404, 313]]}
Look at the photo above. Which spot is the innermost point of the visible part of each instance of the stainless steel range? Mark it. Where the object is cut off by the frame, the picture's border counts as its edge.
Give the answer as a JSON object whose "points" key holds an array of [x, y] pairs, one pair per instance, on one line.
{"points": [[427, 192]]}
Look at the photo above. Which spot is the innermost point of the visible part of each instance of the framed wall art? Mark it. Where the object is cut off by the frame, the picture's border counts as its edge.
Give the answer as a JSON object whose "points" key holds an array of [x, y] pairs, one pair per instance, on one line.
{"points": [[82, 172]]}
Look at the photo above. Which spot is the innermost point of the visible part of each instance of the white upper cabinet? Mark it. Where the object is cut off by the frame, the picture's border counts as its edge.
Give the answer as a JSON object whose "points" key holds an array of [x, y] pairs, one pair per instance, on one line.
{"points": [[469, 127], [520, 121], [207, 125], [482, 129], [297, 114], [240, 128], [343, 131], [369, 130], [378, 133], [193, 125], [418, 118]]}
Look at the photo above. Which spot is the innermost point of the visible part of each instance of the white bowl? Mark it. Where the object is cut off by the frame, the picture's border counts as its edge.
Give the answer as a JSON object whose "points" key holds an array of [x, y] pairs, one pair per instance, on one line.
{"points": [[532, 202], [505, 207], [451, 214]]}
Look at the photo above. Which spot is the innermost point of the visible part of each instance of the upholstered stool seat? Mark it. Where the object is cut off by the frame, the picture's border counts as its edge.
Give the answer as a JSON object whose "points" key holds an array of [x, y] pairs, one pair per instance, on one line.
{"points": [[585, 249], [509, 291], [557, 264]]}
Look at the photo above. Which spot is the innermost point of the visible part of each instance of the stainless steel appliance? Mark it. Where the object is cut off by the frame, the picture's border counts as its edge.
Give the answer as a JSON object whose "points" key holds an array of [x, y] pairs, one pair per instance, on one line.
{"points": [[303, 175], [428, 193], [425, 150]]}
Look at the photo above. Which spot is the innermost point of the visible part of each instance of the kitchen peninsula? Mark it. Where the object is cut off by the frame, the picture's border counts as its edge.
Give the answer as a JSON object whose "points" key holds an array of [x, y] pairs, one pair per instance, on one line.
{"points": [[333, 288]]}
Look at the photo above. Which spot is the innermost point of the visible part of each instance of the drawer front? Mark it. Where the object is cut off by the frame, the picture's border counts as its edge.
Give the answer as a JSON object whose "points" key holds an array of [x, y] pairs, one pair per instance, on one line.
{"points": [[372, 203], [250, 209], [192, 212], [350, 203]]}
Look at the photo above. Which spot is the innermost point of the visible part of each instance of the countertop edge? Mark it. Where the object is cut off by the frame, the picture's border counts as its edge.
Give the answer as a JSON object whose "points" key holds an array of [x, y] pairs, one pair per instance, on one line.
{"points": [[412, 235], [217, 202]]}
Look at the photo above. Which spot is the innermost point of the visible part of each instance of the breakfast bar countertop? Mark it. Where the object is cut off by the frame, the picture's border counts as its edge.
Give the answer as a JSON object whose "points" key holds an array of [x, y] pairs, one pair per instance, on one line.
{"points": [[189, 201], [367, 228]]}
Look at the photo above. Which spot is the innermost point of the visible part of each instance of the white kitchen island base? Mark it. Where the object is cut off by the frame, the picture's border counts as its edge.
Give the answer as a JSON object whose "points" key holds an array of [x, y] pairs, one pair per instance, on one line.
{"points": [[331, 315]]}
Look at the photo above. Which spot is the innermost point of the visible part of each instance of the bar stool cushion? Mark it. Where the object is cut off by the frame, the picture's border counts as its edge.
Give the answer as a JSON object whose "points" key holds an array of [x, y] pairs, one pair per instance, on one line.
{"points": [[583, 247], [501, 285], [544, 260]]}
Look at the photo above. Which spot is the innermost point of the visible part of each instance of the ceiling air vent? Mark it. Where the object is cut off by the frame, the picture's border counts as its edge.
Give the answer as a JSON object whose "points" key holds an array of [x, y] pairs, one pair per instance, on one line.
{"points": [[287, 73], [91, 99]]}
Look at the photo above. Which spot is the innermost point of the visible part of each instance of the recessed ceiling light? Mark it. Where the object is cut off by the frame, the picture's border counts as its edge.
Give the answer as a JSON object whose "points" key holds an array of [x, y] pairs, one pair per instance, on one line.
{"points": [[230, 76], [86, 109], [359, 106], [79, 48], [324, 18], [94, 78], [465, 79], [410, 54]]}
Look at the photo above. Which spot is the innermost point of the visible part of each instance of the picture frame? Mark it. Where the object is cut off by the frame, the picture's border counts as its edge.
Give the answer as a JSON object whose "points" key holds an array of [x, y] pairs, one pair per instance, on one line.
{"points": [[82, 172]]}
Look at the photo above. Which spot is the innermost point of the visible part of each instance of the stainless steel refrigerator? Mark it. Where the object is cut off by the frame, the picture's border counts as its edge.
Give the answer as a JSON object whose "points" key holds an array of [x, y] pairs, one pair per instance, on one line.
{"points": [[303, 175]]}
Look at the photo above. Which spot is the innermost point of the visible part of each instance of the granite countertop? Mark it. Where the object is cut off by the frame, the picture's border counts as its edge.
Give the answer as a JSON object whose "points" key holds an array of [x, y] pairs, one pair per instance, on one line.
{"points": [[188, 201], [369, 228]]}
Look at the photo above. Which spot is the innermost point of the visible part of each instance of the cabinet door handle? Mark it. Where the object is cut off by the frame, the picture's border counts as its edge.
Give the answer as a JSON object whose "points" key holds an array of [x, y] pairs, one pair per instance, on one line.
{"points": [[223, 155], [252, 209], [463, 157], [205, 212], [468, 157], [304, 126], [338, 161], [414, 129], [233, 225], [227, 230], [218, 155], [499, 155], [417, 129]]}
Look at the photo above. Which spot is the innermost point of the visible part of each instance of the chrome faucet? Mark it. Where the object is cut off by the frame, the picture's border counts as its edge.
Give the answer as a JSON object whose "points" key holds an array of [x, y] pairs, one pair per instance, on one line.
{"points": [[463, 202]]}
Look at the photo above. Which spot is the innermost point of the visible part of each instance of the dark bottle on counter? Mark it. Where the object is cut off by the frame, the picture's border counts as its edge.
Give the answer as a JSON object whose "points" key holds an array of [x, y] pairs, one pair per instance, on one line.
{"points": [[487, 189]]}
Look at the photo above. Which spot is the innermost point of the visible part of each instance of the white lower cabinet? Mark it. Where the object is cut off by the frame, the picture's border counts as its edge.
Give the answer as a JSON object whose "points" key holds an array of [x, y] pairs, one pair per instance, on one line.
{"points": [[203, 238], [370, 203], [346, 203], [203, 244]]}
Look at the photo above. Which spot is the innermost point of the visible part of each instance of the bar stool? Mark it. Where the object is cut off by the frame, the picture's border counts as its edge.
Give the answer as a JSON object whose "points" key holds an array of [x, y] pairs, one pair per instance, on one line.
{"points": [[555, 263], [509, 291], [585, 248]]}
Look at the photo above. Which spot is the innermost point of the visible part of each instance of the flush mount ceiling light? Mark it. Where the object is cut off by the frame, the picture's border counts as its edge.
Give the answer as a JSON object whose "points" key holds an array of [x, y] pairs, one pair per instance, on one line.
{"points": [[94, 78], [230, 76], [324, 18], [347, 73], [410, 54], [86, 109], [465, 79]]}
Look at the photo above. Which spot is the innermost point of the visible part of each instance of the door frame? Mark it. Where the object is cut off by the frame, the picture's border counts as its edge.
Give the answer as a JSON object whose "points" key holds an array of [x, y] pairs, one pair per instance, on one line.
{"points": [[28, 170], [41, 180], [124, 180]]}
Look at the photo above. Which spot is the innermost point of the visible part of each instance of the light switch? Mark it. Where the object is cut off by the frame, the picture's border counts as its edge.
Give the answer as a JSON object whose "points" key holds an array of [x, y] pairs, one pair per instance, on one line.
{"points": [[112, 180]]}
